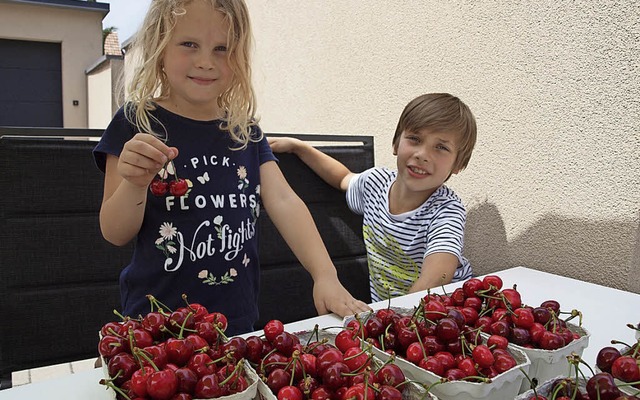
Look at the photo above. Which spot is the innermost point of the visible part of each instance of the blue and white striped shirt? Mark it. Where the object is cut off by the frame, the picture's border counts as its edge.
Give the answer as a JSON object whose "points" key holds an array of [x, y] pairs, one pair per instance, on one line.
{"points": [[397, 244]]}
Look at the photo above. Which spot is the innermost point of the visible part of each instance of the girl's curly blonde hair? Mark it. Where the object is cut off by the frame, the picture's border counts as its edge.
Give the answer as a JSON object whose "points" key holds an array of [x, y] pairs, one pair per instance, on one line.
{"points": [[149, 84]]}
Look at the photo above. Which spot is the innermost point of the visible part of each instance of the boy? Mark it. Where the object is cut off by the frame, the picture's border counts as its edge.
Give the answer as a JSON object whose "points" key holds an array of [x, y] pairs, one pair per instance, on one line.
{"points": [[413, 224]]}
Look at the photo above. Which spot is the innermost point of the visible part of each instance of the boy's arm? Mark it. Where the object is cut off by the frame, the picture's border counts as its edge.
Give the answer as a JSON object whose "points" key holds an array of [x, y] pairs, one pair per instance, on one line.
{"points": [[437, 269], [294, 222], [328, 168]]}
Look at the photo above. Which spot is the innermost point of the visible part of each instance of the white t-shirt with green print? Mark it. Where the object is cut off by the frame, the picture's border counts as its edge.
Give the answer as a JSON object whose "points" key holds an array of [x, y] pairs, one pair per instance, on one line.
{"points": [[397, 244]]}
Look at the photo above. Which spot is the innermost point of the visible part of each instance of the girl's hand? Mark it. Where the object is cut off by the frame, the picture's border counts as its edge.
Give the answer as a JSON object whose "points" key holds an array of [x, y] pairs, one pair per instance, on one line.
{"points": [[330, 296], [284, 144], [142, 157]]}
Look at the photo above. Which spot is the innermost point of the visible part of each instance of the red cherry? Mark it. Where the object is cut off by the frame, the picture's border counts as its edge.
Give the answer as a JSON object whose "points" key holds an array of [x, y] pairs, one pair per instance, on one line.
{"points": [[153, 323], [601, 386], [321, 393], [626, 369], [497, 342], [139, 381], [272, 329], [335, 375], [551, 341], [179, 351], [158, 187], [201, 364], [386, 315], [346, 339], [289, 393], [511, 297], [187, 380], [328, 357], [605, 358], [472, 286], [179, 187], [388, 393], [110, 345], [523, 317], [277, 379], [374, 327], [162, 385], [482, 356], [414, 353], [434, 310], [208, 387], [447, 330], [390, 374], [468, 366], [255, 349], [551, 305], [125, 363], [356, 359], [492, 283], [217, 319]]}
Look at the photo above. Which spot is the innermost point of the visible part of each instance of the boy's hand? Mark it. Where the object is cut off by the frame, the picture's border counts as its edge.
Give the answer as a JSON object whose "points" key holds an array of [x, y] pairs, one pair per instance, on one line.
{"points": [[142, 157], [284, 144], [331, 296]]}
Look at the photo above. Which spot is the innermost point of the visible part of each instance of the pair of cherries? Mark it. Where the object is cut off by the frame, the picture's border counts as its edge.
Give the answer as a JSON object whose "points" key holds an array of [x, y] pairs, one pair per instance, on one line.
{"points": [[177, 187]]}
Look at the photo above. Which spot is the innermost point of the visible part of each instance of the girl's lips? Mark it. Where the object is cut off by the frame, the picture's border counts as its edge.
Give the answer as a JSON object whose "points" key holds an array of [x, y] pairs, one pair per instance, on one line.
{"points": [[202, 81]]}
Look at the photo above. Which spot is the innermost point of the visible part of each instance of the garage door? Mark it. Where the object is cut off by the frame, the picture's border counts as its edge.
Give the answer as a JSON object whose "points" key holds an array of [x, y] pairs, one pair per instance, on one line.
{"points": [[30, 84]]}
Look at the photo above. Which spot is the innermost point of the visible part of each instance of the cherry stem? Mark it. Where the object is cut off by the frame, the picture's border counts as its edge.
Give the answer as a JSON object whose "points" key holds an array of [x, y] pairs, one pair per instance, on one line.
{"points": [[157, 303], [110, 384], [138, 352]]}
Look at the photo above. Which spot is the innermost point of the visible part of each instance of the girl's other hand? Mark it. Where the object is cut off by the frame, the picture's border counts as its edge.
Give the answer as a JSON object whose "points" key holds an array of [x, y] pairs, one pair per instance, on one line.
{"points": [[284, 144], [330, 296], [142, 157]]}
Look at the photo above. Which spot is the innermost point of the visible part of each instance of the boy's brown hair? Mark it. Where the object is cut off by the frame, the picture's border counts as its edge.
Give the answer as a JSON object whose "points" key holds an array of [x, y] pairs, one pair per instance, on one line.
{"points": [[440, 112]]}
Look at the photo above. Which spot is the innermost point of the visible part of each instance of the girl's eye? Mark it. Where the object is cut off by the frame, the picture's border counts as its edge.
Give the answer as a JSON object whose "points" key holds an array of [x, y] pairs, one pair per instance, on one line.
{"points": [[442, 147], [413, 138], [220, 48], [189, 44]]}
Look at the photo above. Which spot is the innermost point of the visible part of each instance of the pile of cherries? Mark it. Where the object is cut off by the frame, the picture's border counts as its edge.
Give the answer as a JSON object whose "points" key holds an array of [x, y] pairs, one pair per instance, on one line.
{"points": [[625, 367], [443, 334], [600, 386], [177, 355], [322, 368], [497, 311]]}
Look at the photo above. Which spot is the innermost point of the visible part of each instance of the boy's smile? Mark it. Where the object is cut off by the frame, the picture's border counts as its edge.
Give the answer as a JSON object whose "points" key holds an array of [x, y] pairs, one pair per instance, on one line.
{"points": [[425, 160]]}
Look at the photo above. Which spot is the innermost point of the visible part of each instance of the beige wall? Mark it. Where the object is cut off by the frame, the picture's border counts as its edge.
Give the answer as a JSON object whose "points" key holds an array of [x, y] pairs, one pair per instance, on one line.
{"points": [[553, 183], [102, 86], [79, 32]]}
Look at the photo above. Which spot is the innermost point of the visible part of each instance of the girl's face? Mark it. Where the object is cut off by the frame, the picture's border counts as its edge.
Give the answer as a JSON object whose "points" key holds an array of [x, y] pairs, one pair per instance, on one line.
{"points": [[195, 63], [425, 160]]}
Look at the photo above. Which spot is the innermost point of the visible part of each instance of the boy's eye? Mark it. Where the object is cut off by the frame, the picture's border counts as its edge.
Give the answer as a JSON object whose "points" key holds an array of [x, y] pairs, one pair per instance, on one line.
{"points": [[442, 147]]}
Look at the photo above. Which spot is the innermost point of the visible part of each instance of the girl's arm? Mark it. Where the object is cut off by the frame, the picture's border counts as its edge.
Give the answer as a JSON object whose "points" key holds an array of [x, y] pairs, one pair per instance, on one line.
{"points": [[326, 167], [294, 222], [126, 182], [437, 269]]}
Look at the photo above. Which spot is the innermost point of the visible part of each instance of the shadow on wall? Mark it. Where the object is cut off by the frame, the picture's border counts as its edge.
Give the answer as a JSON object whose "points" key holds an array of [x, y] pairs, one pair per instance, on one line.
{"points": [[602, 252]]}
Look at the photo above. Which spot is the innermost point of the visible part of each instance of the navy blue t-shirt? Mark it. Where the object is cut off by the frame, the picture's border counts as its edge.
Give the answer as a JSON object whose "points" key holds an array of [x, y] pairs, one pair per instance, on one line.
{"points": [[203, 244]]}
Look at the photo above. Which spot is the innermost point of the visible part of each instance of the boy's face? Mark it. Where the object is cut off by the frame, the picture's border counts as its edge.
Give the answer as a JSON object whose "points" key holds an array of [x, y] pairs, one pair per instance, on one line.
{"points": [[425, 160]]}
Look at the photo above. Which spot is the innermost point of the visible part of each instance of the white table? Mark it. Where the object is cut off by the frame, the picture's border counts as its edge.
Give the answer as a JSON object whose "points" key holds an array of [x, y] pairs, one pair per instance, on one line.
{"points": [[606, 312]]}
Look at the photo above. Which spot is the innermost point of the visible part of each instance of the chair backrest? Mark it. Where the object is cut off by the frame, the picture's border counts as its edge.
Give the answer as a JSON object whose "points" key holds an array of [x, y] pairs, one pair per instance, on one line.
{"points": [[286, 291], [59, 277]]}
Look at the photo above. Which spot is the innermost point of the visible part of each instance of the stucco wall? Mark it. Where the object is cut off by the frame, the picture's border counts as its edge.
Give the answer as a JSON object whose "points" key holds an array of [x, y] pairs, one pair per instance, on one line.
{"points": [[79, 32], [553, 183]]}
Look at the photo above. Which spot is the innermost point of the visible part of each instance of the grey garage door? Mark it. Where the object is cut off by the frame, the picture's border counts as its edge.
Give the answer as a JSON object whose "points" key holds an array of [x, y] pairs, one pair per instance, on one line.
{"points": [[30, 84]]}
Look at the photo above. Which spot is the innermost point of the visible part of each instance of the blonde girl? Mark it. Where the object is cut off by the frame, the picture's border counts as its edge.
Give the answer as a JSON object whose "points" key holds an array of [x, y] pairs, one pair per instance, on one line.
{"points": [[187, 169]]}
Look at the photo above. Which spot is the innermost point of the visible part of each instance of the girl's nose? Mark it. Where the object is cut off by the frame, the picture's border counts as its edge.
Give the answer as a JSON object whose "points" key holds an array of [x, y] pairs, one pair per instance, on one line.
{"points": [[205, 62]]}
